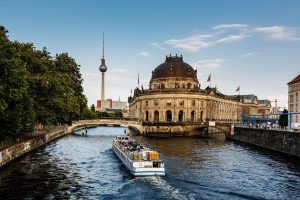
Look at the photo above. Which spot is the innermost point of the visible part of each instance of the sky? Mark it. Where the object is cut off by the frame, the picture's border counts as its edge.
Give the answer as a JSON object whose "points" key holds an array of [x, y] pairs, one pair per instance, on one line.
{"points": [[254, 44]]}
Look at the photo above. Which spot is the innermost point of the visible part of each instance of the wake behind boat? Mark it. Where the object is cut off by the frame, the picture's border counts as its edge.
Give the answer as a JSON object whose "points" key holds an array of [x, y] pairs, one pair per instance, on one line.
{"points": [[140, 160]]}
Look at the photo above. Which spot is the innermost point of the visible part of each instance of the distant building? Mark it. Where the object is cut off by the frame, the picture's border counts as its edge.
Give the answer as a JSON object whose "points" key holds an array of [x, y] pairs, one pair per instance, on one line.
{"points": [[110, 104], [264, 107], [276, 111], [251, 105], [293, 99]]}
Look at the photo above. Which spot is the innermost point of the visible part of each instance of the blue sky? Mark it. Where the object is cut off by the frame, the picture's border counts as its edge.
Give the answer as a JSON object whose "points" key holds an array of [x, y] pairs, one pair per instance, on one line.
{"points": [[254, 44]]}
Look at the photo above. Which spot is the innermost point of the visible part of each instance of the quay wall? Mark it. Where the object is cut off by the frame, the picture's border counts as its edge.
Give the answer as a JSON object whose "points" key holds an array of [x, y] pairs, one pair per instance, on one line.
{"points": [[24, 147], [283, 141]]}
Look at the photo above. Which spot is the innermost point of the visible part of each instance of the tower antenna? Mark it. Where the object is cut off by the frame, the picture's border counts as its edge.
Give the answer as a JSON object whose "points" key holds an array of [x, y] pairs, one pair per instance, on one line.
{"points": [[102, 44]]}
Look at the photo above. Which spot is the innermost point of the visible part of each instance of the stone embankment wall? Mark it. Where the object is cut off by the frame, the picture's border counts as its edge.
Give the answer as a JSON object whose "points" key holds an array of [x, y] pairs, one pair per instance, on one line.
{"points": [[283, 141], [21, 148]]}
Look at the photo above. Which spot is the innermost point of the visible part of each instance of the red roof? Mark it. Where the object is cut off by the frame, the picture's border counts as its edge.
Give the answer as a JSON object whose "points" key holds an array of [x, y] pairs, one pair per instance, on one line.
{"points": [[295, 80]]}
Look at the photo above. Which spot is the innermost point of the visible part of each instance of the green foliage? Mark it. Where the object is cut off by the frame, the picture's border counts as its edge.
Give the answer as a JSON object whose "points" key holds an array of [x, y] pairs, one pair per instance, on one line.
{"points": [[93, 108], [88, 114], [36, 87], [283, 119], [109, 115]]}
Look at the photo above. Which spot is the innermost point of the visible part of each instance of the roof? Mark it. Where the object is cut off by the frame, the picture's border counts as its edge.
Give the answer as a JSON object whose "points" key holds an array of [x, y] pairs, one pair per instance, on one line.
{"points": [[295, 80], [250, 97], [174, 67], [265, 102], [214, 90]]}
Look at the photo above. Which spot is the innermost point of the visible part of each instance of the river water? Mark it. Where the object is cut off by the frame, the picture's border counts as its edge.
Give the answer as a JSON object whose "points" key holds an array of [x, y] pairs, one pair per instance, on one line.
{"points": [[84, 167]]}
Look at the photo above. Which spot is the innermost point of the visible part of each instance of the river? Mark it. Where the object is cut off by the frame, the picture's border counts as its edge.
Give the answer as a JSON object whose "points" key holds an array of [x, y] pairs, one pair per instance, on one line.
{"points": [[84, 167]]}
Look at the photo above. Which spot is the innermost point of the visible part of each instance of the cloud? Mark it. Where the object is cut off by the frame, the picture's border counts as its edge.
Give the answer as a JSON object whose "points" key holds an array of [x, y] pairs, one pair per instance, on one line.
{"points": [[232, 33], [119, 70], [191, 44], [249, 54], [230, 26], [231, 38], [145, 54], [209, 64], [279, 33], [154, 44]]}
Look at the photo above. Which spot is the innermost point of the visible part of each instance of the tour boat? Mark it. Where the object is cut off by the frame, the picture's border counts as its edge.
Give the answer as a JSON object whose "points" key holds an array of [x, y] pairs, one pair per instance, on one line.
{"points": [[139, 160]]}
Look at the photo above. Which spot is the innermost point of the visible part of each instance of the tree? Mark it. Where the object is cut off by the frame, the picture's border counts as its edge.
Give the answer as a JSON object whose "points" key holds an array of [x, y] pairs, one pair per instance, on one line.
{"points": [[93, 108], [283, 118], [15, 101], [36, 87], [88, 114], [70, 101]]}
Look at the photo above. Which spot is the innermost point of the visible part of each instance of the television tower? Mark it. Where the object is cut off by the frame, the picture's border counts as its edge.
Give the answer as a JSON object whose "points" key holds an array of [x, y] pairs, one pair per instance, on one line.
{"points": [[102, 69]]}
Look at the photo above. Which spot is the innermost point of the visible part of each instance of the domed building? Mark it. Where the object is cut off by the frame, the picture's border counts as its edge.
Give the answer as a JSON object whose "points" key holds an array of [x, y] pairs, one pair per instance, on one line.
{"points": [[174, 96]]}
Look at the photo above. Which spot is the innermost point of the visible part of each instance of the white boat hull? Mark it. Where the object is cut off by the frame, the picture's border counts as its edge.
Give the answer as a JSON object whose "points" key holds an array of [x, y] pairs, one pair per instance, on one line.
{"points": [[137, 168]]}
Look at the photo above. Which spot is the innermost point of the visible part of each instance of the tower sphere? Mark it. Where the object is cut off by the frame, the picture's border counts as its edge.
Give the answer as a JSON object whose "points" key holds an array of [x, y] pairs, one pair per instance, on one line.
{"points": [[103, 67]]}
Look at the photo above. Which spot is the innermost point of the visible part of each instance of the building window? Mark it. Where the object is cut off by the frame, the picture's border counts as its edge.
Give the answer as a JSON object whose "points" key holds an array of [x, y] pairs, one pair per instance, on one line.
{"points": [[296, 96], [168, 116], [193, 116], [291, 98], [193, 102], [156, 116], [147, 116], [146, 103], [156, 103], [181, 103], [168, 103]]}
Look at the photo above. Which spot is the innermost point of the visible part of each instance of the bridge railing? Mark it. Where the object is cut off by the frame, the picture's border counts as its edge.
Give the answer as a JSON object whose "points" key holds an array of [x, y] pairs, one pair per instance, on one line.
{"points": [[107, 121], [277, 128]]}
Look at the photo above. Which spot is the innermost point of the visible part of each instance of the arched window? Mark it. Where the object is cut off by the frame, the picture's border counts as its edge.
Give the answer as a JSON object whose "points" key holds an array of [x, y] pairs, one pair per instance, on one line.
{"points": [[156, 116], [147, 116], [168, 116], [201, 116], [193, 116], [181, 116]]}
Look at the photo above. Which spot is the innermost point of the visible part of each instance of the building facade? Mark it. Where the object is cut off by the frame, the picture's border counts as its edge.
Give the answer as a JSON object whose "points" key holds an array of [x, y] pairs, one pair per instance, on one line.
{"points": [[110, 104], [174, 95], [294, 99]]}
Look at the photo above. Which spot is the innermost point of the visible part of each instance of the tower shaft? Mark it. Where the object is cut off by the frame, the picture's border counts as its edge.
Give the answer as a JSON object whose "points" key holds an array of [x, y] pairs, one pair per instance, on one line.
{"points": [[102, 89]]}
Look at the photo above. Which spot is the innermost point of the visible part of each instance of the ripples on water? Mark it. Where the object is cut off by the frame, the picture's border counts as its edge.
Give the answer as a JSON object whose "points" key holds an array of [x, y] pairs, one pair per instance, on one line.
{"points": [[84, 167]]}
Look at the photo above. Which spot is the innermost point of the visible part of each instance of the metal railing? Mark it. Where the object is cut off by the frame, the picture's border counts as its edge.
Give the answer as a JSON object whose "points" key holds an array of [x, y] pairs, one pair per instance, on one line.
{"points": [[277, 128]]}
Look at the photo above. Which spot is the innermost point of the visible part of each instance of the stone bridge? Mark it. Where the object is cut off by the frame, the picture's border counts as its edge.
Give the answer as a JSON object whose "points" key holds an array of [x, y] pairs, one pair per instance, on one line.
{"points": [[77, 125], [159, 129]]}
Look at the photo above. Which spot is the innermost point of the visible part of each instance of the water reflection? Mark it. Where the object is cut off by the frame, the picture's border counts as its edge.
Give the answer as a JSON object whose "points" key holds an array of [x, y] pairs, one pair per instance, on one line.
{"points": [[81, 167]]}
